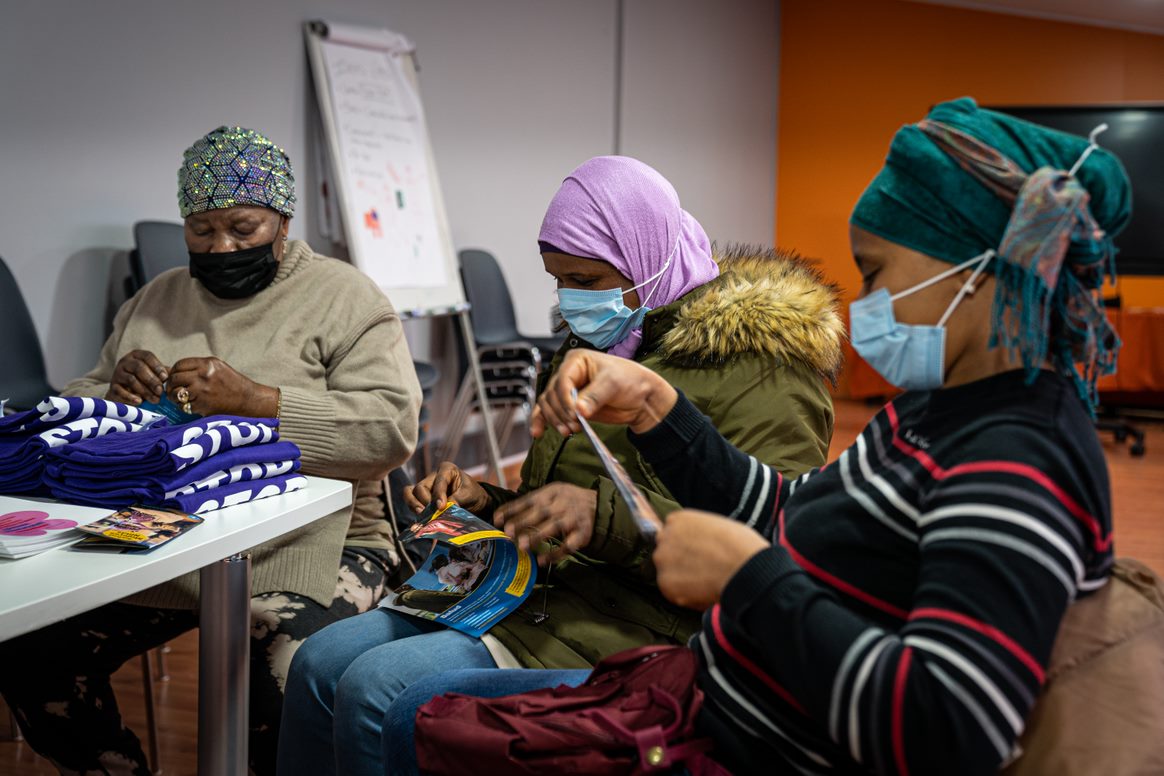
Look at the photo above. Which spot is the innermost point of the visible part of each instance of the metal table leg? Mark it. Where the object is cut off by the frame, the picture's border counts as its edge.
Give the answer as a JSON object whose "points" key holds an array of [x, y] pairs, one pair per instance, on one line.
{"points": [[224, 667]]}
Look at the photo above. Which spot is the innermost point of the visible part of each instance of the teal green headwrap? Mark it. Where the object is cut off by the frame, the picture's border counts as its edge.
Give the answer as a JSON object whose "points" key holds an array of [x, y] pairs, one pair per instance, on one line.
{"points": [[965, 180], [235, 166]]}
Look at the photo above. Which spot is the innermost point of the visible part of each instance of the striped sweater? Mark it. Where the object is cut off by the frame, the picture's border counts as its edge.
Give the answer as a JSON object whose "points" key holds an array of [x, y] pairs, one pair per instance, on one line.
{"points": [[904, 616]]}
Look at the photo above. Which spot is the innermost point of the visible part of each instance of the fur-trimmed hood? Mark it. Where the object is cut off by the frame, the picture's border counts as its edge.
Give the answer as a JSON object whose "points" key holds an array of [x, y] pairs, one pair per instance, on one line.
{"points": [[765, 301]]}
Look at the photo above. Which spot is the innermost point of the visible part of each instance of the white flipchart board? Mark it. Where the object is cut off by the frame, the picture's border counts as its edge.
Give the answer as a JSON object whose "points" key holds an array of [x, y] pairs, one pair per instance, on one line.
{"points": [[378, 156], [381, 165]]}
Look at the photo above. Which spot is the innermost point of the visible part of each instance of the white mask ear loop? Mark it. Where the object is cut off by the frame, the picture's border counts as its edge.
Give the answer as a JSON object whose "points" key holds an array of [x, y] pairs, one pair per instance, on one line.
{"points": [[943, 275], [1091, 146], [969, 284], [658, 274]]}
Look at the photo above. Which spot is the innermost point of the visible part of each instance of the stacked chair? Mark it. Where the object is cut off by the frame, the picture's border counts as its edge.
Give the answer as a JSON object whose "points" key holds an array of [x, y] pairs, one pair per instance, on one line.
{"points": [[510, 362]]}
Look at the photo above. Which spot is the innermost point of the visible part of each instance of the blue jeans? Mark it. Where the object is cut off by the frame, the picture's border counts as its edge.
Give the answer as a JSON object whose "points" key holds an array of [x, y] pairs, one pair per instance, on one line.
{"points": [[344, 678], [399, 724]]}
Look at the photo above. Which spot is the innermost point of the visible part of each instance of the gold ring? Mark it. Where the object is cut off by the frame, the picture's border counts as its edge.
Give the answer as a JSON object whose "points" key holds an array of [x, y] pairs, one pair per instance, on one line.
{"points": [[187, 408], [183, 396]]}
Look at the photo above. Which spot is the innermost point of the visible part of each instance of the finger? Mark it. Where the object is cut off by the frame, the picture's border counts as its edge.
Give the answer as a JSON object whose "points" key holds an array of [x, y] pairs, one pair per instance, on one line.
{"points": [[602, 388], [445, 483], [178, 381], [507, 513], [151, 361], [562, 404], [578, 376], [147, 379], [118, 393], [410, 500], [551, 404], [187, 365], [534, 523], [131, 385], [537, 422]]}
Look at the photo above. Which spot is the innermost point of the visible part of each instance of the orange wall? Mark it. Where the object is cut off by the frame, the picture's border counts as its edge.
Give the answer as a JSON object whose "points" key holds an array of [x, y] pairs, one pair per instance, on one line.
{"points": [[853, 71]]}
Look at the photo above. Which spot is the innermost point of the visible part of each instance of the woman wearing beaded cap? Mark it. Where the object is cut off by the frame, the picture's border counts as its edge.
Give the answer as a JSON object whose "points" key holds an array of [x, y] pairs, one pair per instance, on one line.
{"points": [[259, 326]]}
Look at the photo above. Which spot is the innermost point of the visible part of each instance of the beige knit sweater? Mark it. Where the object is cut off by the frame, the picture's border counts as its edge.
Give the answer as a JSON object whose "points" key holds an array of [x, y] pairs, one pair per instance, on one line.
{"points": [[331, 341]]}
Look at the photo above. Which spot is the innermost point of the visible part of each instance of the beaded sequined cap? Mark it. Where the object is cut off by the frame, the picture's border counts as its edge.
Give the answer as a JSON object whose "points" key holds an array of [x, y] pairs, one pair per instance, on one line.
{"points": [[235, 166]]}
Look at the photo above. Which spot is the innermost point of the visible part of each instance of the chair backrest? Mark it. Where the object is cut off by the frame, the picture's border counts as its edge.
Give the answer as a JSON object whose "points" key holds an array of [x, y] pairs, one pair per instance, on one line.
{"points": [[159, 246], [23, 380], [492, 306]]}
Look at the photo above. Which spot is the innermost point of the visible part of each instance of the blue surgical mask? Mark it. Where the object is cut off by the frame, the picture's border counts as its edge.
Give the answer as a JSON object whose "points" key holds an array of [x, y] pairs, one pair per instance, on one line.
{"points": [[910, 357], [601, 317]]}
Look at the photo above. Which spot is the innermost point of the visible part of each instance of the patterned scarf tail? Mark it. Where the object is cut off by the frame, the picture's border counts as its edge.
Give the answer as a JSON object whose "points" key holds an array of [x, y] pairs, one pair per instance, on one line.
{"points": [[1051, 264]]}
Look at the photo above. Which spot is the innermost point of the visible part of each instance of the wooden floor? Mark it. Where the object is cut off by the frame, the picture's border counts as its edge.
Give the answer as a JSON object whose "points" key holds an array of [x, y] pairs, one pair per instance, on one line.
{"points": [[1137, 485]]}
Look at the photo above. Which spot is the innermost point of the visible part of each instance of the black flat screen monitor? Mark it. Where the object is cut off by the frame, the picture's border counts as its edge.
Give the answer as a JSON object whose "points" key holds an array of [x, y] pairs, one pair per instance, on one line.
{"points": [[1136, 135]]}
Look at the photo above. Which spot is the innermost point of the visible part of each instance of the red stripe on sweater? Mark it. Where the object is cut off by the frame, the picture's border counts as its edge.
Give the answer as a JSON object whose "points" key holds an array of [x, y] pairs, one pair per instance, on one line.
{"points": [[991, 632], [752, 668], [1099, 541], [837, 582], [899, 711]]}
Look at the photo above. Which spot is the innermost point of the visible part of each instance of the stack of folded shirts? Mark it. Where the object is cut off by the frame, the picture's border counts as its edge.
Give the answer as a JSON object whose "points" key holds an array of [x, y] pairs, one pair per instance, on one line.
{"points": [[207, 464], [56, 422]]}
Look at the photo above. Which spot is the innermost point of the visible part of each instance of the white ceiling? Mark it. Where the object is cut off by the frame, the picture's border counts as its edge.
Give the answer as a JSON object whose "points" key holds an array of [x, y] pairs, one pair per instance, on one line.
{"points": [[1140, 15]]}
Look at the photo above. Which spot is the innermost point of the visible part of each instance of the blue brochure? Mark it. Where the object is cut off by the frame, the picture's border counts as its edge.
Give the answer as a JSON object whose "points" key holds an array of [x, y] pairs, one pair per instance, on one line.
{"points": [[474, 576]]}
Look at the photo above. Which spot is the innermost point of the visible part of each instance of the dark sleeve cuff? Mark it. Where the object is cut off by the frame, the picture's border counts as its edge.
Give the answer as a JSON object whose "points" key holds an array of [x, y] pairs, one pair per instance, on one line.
{"points": [[671, 438], [497, 497], [762, 571]]}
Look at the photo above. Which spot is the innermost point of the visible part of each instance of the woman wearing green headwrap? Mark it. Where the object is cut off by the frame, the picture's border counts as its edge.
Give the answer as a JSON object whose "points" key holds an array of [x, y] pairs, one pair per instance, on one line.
{"points": [[894, 611], [259, 326]]}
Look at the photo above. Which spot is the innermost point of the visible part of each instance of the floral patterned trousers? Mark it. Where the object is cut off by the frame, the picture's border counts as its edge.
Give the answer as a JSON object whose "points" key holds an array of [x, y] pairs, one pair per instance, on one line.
{"points": [[57, 679]]}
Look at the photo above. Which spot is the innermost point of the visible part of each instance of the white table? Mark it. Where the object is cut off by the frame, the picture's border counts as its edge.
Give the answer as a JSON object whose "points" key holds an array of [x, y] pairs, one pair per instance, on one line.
{"points": [[47, 588]]}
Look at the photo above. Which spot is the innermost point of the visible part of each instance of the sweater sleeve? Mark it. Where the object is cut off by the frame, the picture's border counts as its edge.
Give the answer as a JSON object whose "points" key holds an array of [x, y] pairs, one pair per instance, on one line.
{"points": [[1002, 548], [779, 418], [705, 471], [96, 382], [365, 423]]}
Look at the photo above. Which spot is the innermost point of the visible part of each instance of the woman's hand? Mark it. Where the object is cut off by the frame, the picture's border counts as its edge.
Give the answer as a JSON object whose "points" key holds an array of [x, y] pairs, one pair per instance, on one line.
{"points": [[213, 387], [697, 554], [610, 390], [137, 377], [447, 483], [557, 510]]}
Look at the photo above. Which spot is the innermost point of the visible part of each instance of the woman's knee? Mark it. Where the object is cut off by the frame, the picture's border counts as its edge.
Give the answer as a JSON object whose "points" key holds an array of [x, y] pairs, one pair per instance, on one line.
{"points": [[319, 662], [372, 681]]}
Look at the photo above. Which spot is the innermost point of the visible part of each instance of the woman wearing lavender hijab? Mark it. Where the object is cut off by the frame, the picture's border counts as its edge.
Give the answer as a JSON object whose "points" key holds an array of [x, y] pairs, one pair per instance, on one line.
{"points": [[751, 335]]}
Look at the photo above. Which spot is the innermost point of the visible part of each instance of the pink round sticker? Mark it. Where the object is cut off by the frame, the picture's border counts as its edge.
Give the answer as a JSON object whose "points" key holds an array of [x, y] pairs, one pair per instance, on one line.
{"points": [[31, 523]]}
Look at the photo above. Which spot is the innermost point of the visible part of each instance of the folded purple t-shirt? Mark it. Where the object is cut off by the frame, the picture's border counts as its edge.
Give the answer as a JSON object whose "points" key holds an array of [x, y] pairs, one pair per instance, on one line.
{"points": [[238, 464], [234, 494], [164, 450]]}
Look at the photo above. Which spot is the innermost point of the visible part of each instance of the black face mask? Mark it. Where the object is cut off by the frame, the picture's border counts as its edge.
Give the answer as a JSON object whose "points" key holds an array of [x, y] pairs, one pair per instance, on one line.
{"points": [[236, 274]]}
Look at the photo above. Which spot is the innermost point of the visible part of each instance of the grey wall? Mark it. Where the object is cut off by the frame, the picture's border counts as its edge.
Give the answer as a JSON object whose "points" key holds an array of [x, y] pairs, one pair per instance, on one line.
{"points": [[699, 105], [97, 101]]}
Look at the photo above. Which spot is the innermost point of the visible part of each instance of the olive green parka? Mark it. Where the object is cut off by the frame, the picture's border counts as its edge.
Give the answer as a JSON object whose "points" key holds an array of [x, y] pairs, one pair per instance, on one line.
{"points": [[753, 349]]}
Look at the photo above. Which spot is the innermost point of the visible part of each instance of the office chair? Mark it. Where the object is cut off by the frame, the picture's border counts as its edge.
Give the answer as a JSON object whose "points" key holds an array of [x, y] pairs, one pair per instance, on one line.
{"points": [[1109, 418], [23, 380], [158, 246], [494, 324]]}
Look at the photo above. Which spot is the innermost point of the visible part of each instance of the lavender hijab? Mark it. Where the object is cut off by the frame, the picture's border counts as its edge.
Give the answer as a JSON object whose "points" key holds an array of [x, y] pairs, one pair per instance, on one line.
{"points": [[621, 211]]}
